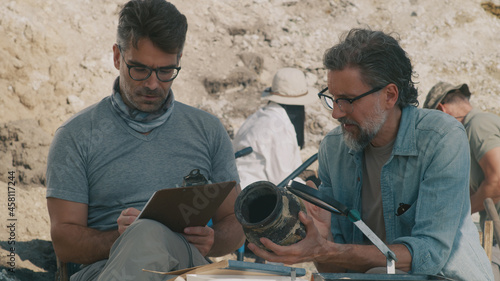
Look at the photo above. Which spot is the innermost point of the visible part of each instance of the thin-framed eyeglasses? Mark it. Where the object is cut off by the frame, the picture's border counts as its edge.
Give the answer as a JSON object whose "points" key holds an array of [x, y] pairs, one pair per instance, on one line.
{"points": [[142, 72], [344, 104]]}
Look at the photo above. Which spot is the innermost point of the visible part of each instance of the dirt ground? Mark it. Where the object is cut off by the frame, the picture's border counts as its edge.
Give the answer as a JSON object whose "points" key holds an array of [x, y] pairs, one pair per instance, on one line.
{"points": [[56, 59]]}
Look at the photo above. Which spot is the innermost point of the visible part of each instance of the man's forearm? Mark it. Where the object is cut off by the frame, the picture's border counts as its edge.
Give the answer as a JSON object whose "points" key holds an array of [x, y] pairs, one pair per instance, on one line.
{"points": [[83, 245], [360, 258], [229, 236], [485, 190], [490, 186]]}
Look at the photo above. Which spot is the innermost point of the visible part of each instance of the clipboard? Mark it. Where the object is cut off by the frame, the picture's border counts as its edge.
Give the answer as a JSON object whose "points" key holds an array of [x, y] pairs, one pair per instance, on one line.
{"points": [[181, 207]]}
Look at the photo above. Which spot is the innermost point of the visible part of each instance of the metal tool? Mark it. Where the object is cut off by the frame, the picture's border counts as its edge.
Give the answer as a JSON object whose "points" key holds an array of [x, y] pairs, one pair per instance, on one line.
{"points": [[297, 171], [315, 197]]}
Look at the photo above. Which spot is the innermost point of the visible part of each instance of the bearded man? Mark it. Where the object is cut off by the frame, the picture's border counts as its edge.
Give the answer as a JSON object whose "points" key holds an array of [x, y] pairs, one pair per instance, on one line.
{"points": [[406, 170]]}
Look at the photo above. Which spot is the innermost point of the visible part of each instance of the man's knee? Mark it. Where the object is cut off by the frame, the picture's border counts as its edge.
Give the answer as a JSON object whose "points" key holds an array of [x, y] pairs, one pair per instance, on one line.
{"points": [[147, 223], [149, 229]]}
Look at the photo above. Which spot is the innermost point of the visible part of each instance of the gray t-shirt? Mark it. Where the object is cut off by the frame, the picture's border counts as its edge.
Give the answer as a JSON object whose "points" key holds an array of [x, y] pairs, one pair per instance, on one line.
{"points": [[483, 131], [371, 194], [97, 159]]}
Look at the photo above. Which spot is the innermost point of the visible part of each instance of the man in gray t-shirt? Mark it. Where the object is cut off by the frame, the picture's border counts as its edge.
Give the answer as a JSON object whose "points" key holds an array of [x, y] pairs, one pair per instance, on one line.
{"points": [[106, 161], [483, 132]]}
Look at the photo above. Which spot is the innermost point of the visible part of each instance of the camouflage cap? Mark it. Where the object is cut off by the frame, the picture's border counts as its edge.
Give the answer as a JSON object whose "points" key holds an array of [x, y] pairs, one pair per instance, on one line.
{"points": [[440, 90]]}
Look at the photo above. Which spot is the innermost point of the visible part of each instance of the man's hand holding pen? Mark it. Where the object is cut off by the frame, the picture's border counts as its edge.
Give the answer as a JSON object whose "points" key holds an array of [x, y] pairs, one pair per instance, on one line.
{"points": [[126, 218]]}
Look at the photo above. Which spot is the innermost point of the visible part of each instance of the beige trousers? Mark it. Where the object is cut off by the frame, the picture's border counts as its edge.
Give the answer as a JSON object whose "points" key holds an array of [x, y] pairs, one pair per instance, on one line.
{"points": [[146, 244]]}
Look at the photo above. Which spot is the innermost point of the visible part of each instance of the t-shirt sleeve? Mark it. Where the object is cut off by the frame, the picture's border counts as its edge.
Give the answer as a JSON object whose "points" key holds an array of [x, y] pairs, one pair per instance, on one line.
{"points": [[223, 161], [483, 136], [66, 173]]}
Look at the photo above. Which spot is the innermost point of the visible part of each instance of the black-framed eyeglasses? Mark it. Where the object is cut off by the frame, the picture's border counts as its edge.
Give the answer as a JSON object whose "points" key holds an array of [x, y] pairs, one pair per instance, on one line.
{"points": [[344, 104], [142, 72]]}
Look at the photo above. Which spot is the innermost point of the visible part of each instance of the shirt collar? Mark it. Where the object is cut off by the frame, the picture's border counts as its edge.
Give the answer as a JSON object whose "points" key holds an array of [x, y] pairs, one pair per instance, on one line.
{"points": [[406, 143]]}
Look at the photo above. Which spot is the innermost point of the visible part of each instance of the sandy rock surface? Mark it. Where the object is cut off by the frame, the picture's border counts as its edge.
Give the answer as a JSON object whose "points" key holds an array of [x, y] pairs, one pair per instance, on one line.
{"points": [[56, 59]]}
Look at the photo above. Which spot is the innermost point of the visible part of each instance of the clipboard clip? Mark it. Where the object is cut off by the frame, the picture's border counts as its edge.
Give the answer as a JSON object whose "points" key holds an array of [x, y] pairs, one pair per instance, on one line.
{"points": [[194, 178]]}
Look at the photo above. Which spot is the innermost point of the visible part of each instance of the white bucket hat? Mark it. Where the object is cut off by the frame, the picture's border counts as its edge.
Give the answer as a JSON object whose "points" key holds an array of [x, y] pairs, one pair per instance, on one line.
{"points": [[290, 87]]}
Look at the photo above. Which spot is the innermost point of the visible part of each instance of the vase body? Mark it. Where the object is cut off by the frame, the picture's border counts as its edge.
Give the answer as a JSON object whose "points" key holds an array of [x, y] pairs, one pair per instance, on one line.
{"points": [[265, 210]]}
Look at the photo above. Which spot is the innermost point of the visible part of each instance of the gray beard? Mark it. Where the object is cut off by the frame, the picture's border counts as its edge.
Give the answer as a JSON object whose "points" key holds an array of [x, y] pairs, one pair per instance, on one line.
{"points": [[367, 133]]}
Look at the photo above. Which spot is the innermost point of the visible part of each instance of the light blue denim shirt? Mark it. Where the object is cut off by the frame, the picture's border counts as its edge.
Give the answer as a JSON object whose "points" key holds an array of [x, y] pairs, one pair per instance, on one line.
{"points": [[428, 170]]}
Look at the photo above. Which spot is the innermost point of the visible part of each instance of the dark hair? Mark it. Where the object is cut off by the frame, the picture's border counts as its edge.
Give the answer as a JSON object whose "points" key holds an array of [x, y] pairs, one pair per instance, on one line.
{"points": [[157, 20], [455, 97], [380, 59]]}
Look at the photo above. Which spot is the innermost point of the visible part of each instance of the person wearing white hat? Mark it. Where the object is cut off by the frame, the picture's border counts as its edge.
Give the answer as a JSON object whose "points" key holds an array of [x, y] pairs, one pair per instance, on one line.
{"points": [[276, 131]]}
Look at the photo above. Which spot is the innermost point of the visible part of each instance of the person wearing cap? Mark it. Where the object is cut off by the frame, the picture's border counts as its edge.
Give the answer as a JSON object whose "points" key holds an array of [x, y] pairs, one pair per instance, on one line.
{"points": [[276, 131], [483, 131], [404, 169]]}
